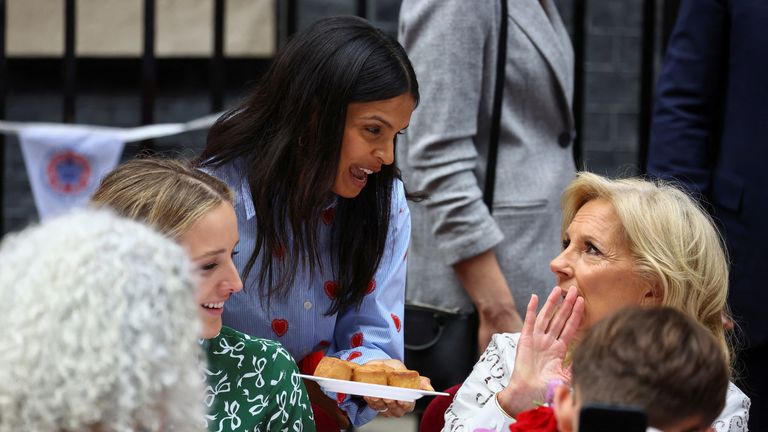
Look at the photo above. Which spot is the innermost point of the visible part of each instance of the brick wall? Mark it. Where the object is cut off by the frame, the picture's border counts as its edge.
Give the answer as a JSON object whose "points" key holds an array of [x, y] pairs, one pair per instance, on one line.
{"points": [[610, 134]]}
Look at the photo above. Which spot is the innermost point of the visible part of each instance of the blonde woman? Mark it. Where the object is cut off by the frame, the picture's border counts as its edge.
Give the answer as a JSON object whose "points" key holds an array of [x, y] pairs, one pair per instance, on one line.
{"points": [[251, 382], [99, 330], [625, 242]]}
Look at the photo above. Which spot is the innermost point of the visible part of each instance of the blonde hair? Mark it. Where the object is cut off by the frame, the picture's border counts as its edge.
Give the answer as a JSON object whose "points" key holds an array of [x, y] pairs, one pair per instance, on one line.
{"points": [[168, 194], [100, 330], [673, 240]]}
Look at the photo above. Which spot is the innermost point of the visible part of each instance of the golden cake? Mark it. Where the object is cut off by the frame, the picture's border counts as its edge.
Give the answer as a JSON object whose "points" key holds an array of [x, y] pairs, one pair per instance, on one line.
{"points": [[332, 367], [403, 378], [371, 374]]}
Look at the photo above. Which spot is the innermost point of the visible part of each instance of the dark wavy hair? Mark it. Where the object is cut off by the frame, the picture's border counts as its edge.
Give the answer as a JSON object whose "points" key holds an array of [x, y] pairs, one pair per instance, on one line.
{"points": [[288, 134]]}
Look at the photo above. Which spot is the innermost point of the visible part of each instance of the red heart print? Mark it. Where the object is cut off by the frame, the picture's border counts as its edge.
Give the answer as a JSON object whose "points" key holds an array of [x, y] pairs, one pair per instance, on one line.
{"points": [[340, 397], [396, 320], [357, 340], [279, 326], [371, 286], [353, 355], [330, 288], [327, 215]]}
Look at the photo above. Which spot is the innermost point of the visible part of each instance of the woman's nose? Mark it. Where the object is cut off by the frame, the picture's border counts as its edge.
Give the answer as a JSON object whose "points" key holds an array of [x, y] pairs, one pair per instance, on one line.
{"points": [[233, 281], [386, 154], [561, 267]]}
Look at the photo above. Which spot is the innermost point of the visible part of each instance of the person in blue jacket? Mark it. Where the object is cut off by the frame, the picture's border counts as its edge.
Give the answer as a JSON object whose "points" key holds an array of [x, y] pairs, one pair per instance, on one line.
{"points": [[322, 213], [710, 133]]}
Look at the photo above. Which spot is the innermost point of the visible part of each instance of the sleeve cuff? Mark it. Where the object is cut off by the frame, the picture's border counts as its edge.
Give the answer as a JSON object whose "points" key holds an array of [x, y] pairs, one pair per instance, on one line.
{"points": [[491, 417], [462, 247], [501, 410]]}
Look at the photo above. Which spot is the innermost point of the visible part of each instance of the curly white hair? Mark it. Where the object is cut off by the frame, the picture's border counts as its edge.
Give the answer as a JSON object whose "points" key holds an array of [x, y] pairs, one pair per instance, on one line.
{"points": [[99, 331]]}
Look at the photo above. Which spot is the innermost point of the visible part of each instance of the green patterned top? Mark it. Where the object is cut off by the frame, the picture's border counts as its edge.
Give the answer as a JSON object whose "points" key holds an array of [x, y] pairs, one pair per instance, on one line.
{"points": [[252, 386]]}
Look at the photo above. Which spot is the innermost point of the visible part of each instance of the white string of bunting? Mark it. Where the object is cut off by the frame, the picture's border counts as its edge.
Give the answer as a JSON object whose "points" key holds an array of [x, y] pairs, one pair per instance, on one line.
{"points": [[66, 162]]}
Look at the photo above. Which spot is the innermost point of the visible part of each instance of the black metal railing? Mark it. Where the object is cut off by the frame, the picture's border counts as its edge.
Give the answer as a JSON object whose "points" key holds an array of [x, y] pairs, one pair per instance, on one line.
{"points": [[3, 97], [287, 14]]}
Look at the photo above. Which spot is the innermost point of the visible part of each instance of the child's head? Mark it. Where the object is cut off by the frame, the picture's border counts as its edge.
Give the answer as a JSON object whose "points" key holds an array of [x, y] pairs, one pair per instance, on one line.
{"points": [[657, 359]]}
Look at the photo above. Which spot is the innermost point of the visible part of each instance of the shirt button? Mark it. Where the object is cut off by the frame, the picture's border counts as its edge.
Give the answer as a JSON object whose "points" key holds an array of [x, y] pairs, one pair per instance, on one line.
{"points": [[307, 304], [564, 139]]}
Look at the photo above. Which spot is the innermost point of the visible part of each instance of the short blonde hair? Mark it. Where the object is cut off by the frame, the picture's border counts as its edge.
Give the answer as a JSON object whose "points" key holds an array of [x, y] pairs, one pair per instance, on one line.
{"points": [[100, 331], [673, 240], [168, 194]]}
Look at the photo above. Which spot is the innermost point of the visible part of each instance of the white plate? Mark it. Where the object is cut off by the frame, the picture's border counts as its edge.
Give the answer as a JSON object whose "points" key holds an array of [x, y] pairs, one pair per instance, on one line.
{"points": [[372, 390]]}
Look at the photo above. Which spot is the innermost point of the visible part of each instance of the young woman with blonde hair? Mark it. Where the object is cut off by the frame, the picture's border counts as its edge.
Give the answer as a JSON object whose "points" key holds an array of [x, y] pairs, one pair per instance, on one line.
{"points": [[252, 382]]}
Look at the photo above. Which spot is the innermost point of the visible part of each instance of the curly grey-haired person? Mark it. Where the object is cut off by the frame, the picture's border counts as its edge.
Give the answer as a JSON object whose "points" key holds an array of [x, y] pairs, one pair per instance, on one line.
{"points": [[99, 329]]}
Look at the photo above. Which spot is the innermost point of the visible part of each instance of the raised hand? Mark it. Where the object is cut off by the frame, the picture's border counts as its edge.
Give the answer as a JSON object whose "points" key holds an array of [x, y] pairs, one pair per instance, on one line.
{"points": [[542, 348]]}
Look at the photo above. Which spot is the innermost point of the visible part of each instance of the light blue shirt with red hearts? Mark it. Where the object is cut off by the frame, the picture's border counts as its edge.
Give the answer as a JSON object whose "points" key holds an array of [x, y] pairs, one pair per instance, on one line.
{"points": [[298, 321]]}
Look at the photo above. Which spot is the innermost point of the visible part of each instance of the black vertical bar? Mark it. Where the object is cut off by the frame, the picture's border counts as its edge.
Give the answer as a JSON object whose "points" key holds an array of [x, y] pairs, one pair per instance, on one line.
{"points": [[646, 82], [292, 17], [148, 72], [579, 46], [287, 20], [70, 61], [362, 8], [3, 94], [217, 61]]}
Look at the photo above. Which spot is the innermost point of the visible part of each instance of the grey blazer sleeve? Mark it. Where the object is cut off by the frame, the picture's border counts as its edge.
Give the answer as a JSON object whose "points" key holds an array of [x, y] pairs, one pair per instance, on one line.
{"points": [[449, 44]]}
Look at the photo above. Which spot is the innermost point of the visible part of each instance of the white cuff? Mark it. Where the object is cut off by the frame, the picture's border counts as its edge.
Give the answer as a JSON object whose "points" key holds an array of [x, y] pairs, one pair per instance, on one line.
{"points": [[491, 416]]}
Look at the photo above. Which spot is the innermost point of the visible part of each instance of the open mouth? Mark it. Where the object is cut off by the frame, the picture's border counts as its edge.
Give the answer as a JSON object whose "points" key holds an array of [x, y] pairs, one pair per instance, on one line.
{"points": [[360, 173], [213, 305]]}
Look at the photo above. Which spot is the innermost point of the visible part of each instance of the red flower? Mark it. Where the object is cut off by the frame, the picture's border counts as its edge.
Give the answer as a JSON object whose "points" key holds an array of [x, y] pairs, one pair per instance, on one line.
{"points": [[541, 419]]}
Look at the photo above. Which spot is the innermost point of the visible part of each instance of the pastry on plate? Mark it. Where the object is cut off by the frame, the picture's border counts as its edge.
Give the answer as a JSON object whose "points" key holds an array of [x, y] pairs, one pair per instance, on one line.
{"points": [[332, 367], [403, 378], [371, 374]]}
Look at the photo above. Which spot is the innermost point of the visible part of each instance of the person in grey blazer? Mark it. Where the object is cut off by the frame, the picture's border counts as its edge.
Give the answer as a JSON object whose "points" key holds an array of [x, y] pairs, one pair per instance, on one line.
{"points": [[462, 256]]}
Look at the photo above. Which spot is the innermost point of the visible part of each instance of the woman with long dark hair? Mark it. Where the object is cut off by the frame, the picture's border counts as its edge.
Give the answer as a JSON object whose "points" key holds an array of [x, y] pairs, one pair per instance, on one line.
{"points": [[322, 213]]}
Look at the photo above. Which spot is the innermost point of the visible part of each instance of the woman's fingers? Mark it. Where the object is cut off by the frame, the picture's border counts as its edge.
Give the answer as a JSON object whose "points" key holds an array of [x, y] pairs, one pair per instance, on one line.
{"points": [[564, 312], [376, 403], [393, 363], [425, 384], [390, 407], [530, 315], [401, 408], [574, 321], [548, 310]]}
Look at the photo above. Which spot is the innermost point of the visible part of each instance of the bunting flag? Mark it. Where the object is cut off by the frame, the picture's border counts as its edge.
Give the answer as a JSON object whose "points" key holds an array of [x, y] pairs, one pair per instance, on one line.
{"points": [[65, 163]]}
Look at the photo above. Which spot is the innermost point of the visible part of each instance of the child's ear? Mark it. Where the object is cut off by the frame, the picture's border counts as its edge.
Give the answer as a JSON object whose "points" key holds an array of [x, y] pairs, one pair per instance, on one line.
{"points": [[564, 409]]}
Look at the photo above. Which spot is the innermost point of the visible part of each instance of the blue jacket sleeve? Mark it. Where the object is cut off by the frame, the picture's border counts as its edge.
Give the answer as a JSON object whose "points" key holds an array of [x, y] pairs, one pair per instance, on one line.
{"points": [[684, 129]]}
